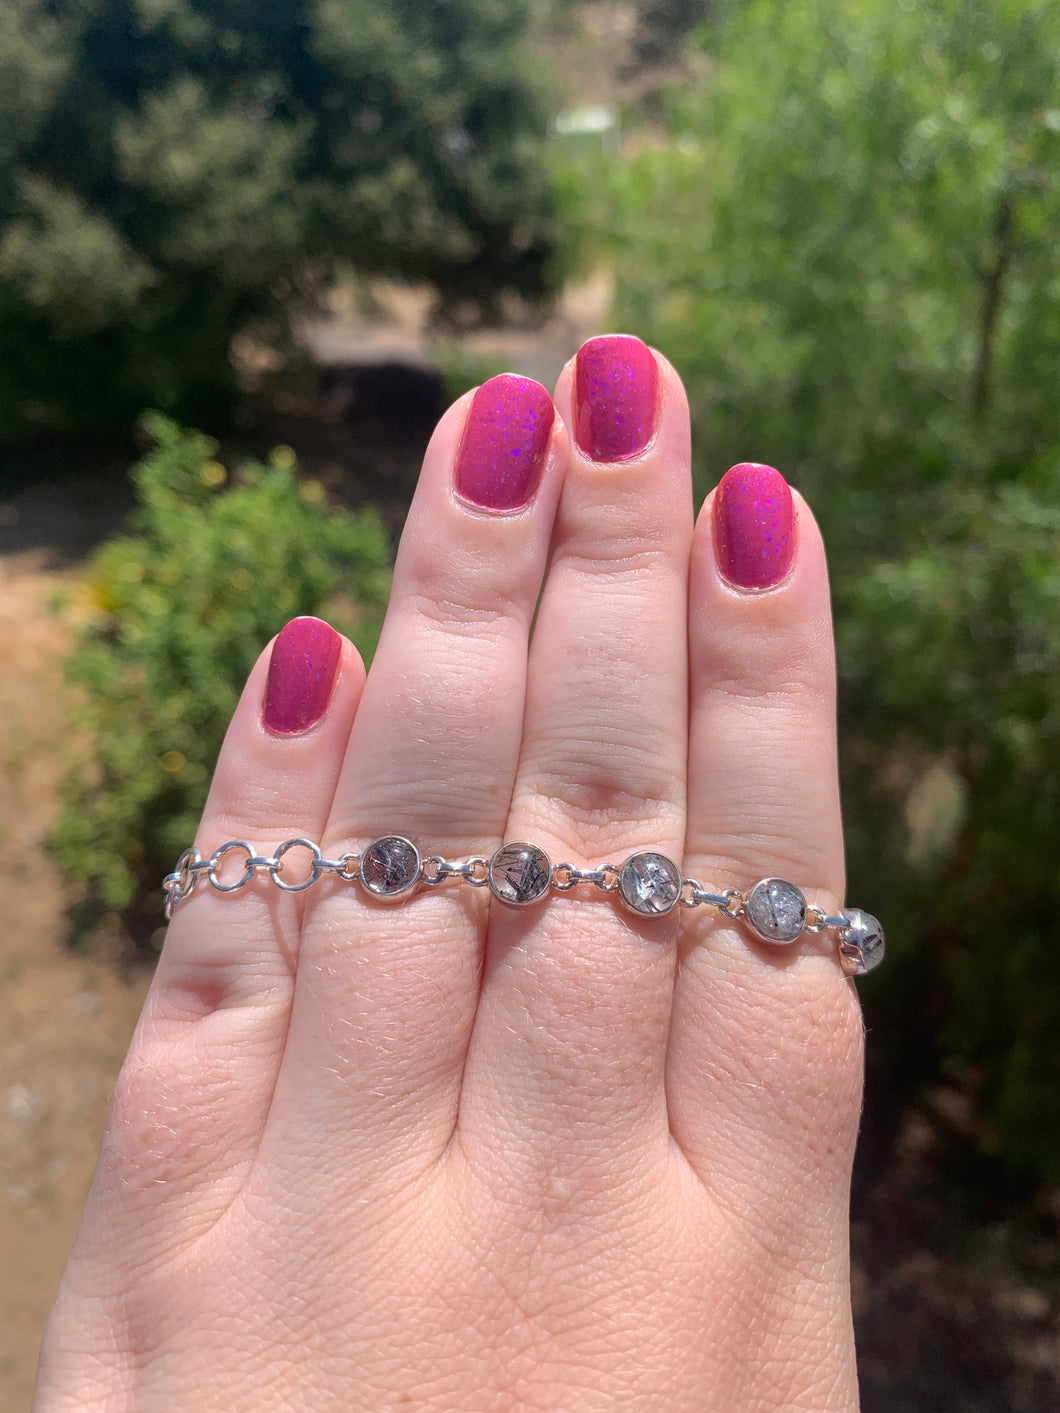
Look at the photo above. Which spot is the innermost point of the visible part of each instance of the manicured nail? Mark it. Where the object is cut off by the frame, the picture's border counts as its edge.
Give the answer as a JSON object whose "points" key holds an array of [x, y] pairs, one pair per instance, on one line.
{"points": [[754, 526], [305, 658], [502, 452], [616, 397]]}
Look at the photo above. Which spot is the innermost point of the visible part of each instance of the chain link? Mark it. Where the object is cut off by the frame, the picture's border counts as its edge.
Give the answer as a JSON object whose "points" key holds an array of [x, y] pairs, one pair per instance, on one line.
{"points": [[475, 871], [276, 867], [734, 905], [608, 880], [569, 880], [605, 877]]}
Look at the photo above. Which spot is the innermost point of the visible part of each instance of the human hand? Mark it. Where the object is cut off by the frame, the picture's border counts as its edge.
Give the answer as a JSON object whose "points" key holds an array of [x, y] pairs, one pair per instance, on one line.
{"points": [[447, 1154]]}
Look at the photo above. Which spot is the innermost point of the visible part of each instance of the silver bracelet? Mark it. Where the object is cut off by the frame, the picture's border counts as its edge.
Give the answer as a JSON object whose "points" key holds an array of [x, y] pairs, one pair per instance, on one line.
{"points": [[648, 884]]}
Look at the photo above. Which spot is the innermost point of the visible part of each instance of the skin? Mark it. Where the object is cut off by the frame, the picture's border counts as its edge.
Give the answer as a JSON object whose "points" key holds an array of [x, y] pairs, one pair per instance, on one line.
{"points": [[440, 1157]]}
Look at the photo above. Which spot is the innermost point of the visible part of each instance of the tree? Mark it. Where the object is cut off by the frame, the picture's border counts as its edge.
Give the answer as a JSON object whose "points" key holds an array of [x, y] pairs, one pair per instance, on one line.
{"points": [[847, 245], [174, 170], [663, 27]]}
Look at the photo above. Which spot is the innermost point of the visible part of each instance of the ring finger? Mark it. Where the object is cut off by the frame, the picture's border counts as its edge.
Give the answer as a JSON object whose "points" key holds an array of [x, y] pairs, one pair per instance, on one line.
{"points": [[386, 994]]}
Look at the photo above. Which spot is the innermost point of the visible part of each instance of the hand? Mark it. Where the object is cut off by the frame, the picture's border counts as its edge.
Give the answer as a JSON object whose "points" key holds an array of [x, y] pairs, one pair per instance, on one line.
{"points": [[446, 1154]]}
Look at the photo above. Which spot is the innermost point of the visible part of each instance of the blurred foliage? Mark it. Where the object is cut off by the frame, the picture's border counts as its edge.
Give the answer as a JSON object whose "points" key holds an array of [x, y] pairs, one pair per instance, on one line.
{"points": [[661, 30], [462, 369], [174, 171], [180, 608], [846, 242]]}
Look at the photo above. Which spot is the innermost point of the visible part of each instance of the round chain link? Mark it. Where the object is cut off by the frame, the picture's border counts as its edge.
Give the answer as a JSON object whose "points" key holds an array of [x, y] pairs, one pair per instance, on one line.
{"points": [[347, 867], [216, 859], [691, 894], [179, 884], [184, 877], [277, 865]]}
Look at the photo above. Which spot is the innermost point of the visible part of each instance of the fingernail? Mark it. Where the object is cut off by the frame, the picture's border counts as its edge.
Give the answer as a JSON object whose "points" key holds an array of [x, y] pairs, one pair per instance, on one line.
{"points": [[305, 658], [502, 451], [754, 526], [616, 397]]}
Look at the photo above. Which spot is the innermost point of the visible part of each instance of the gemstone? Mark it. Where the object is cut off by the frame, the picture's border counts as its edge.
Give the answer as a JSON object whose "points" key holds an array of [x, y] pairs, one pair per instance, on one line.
{"points": [[390, 866], [650, 884], [863, 932], [776, 910], [520, 873]]}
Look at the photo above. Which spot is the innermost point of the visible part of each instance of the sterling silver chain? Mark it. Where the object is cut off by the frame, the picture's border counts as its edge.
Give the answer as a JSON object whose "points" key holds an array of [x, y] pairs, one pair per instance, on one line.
{"points": [[648, 884]]}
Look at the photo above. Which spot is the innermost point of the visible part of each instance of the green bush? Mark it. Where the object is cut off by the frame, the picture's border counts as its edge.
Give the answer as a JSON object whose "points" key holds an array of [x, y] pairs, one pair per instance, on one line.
{"points": [[180, 609]]}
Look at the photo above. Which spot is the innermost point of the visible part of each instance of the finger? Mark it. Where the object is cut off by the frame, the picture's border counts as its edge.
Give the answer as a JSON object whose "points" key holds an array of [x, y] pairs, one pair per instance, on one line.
{"points": [[765, 1049], [193, 1095], [572, 1025], [387, 994]]}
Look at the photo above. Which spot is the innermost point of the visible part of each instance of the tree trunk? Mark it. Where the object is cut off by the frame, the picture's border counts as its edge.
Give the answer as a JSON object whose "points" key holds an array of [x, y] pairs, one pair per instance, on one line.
{"points": [[993, 283]]}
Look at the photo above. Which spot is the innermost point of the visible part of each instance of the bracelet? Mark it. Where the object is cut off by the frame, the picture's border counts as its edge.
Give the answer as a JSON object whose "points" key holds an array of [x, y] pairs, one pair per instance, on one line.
{"points": [[648, 884]]}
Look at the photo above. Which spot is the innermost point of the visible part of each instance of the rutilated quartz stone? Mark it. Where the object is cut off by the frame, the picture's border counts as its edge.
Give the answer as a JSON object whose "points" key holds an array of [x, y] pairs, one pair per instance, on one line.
{"points": [[864, 933], [390, 866], [776, 910], [649, 884], [520, 874]]}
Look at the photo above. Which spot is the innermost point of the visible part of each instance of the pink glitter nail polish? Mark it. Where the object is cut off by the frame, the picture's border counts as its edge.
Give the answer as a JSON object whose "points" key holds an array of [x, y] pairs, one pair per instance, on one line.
{"points": [[754, 526], [616, 397], [302, 668], [505, 441]]}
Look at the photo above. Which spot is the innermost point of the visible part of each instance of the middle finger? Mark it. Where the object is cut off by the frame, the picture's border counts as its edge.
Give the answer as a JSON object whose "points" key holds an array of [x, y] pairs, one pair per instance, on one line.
{"points": [[572, 1025], [386, 992]]}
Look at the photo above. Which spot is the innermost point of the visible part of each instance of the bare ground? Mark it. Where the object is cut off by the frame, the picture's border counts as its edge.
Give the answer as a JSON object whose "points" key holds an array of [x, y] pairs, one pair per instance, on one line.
{"points": [[66, 1018]]}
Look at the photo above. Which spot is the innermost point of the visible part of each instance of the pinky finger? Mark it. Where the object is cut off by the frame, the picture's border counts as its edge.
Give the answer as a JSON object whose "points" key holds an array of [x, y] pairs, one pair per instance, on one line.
{"points": [[193, 1096]]}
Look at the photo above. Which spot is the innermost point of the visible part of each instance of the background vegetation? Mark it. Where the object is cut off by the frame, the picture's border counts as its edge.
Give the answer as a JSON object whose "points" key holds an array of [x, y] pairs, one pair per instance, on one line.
{"points": [[211, 568], [175, 171], [838, 219]]}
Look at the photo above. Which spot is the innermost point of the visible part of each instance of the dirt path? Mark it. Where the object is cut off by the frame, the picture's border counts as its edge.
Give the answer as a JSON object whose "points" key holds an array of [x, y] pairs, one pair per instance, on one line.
{"points": [[65, 1020]]}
